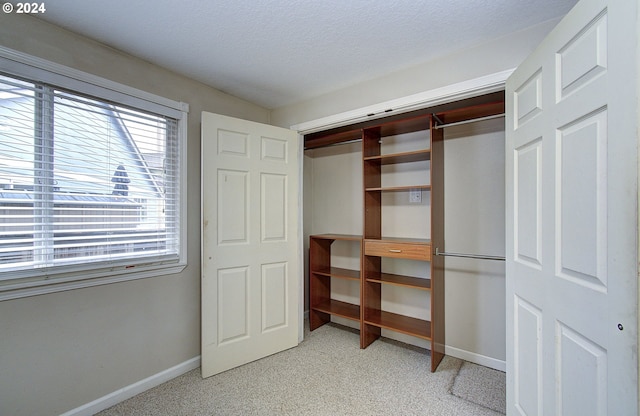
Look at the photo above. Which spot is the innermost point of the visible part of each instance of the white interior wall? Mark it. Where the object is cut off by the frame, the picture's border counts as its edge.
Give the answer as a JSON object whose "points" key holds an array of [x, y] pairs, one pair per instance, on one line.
{"points": [[474, 223]]}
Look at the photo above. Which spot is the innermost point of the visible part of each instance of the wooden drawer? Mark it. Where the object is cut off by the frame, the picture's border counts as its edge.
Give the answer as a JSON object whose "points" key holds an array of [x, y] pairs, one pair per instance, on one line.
{"points": [[402, 250]]}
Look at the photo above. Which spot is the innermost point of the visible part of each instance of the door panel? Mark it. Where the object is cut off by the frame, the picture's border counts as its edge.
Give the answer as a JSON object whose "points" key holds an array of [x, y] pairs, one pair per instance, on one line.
{"points": [[233, 208], [274, 295], [527, 366], [250, 241], [584, 57], [581, 374], [582, 201], [572, 190], [273, 207], [528, 204], [233, 304]]}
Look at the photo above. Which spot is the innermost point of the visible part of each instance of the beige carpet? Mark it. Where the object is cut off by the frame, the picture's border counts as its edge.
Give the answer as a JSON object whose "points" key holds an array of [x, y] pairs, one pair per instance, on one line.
{"points": [[328, 374], [481, 385]]}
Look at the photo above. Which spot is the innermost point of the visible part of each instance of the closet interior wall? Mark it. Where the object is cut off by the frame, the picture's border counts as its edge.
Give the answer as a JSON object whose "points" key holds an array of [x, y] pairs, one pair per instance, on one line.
{"points": [[474, 175], [333, 204]]}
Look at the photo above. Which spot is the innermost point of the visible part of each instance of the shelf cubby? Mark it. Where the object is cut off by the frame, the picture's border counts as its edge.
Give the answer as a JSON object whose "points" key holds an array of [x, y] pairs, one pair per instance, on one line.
{"points": [[321, 272], [400, 323]]}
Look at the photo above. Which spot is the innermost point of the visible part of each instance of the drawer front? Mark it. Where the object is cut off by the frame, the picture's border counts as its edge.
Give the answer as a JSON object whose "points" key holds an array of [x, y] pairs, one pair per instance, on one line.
{"points": [[411, 251]]}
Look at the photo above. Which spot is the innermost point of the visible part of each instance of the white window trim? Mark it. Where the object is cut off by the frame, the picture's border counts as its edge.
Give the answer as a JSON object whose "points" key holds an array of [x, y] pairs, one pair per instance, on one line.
{"points": [[27, 66]]}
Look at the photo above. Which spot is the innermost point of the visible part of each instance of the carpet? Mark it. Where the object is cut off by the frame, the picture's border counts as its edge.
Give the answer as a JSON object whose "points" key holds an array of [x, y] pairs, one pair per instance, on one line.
{"points": [[481, 385], [327, 374]]}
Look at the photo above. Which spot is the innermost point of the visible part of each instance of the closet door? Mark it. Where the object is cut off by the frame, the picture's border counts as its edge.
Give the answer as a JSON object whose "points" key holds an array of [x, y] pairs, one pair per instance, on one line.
{"points": [[572, 169], [250, 241]]}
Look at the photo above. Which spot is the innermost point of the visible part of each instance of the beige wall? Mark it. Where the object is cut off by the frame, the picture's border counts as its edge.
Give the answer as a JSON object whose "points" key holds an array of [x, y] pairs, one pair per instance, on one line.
{"points": [[475, 223], [63, 350]]}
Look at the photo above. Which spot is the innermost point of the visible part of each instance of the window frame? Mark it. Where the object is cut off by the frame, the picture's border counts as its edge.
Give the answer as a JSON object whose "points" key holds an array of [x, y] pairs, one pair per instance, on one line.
{"points": [[71, 277]]}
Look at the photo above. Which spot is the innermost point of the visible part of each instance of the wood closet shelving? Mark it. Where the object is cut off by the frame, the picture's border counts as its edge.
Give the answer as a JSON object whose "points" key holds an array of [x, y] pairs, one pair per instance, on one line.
{"points": [[321, 306], [374, 247]]}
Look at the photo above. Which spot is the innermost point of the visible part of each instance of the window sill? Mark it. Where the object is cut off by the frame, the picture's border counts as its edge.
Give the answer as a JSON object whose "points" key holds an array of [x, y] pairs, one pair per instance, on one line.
{"points": [[23, 290]]}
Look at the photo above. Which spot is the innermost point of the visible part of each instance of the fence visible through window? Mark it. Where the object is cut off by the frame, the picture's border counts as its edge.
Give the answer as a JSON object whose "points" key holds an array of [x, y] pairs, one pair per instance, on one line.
{"points": [[83, 180]]}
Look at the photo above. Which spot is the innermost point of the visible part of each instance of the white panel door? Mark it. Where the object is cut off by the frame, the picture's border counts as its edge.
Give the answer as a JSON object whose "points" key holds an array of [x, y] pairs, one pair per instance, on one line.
{"points": [[572, 169], [250, 241]]}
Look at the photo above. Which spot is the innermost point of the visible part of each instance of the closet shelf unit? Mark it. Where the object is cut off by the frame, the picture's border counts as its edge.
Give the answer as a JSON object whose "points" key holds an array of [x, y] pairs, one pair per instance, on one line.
{"points": [[377, 246], [374, 247], [321, 306]]}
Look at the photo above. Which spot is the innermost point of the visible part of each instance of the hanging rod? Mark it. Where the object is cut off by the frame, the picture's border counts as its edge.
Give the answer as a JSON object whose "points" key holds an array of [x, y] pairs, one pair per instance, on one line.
{"points": [[471, 120], [335, 144], [471, 256]]}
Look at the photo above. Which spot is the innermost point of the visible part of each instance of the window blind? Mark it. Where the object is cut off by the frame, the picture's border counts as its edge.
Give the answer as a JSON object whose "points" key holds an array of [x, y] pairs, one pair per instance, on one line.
{"points": [[83, 181]]}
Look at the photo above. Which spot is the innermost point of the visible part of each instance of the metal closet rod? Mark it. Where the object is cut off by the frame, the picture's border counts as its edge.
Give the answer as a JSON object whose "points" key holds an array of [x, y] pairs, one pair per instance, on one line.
{"points": [[471, 120], [337, 144], [470, 256]]}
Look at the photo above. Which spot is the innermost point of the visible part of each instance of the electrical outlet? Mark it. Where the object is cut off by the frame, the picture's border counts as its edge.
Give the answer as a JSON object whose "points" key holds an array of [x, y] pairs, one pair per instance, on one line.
{"points": [[415, 196]]}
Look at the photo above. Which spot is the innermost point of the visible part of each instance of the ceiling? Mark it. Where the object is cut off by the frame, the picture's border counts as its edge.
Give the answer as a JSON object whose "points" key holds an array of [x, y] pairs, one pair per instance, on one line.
{"points": [[278, 52]]}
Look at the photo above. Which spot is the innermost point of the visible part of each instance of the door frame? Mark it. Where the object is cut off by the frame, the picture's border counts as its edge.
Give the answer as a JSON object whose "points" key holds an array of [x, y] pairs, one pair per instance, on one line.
{"points": [[471, 88]]}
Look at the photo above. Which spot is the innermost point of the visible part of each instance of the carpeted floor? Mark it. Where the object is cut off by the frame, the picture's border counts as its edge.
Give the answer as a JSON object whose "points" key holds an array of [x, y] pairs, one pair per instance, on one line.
{"points": [[328, 374], [481, 385]]}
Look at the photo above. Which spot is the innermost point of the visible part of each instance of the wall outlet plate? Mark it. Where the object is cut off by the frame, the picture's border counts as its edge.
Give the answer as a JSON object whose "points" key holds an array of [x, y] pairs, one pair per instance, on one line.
{"points": [[415, 196]]}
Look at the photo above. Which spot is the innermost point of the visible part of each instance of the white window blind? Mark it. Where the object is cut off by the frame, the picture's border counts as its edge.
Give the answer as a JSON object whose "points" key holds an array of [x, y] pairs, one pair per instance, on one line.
{"points": [[84, 183]]}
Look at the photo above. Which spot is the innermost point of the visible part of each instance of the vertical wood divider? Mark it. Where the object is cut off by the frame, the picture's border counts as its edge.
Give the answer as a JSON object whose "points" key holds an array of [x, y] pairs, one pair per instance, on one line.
{"points": [[437, 241], [371, 293]]}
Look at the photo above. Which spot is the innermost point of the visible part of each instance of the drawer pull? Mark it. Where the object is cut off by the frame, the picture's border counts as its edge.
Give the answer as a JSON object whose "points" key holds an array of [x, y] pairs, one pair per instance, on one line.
{"points": [[395, 251]]}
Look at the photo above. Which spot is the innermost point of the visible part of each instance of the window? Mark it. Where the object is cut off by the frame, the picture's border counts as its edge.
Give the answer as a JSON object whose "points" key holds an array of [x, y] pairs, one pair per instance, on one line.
{"points": [[90, 185]]}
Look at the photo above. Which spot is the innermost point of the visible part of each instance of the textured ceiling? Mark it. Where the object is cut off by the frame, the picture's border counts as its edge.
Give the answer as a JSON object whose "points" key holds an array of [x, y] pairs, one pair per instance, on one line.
{"points": [[278, 52]]}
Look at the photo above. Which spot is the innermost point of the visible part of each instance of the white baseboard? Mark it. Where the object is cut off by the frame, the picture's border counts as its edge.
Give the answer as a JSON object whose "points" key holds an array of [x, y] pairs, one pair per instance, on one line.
{"points": [[131, 390], [476, 358]]}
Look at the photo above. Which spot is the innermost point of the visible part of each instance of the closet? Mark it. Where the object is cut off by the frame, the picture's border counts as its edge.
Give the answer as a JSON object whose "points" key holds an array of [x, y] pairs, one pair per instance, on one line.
{"points": [[383, 247]]}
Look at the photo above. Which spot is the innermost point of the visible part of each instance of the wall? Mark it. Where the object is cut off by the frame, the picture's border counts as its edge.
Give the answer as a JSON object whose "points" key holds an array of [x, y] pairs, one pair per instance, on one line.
{"points": [[475, 223], [63, 350]]}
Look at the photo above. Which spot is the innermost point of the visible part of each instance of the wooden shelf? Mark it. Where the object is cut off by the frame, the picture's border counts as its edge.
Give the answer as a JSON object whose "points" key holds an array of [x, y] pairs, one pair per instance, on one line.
{"points": [[402, 126], [401, 240], [321, 273], [400, 280], [338, 272], [405, 157], [339, 308], [472, 112], [398, 188], [342, 237], [399, 323], [322, 139]]}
